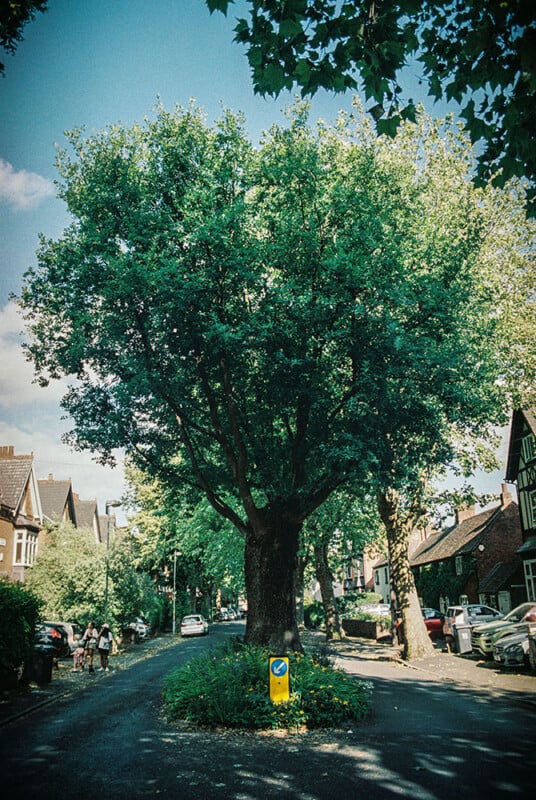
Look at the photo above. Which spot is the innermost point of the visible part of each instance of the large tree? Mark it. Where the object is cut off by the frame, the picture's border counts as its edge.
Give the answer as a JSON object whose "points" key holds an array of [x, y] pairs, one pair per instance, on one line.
{"points": [[260, 323], [479, 53]]}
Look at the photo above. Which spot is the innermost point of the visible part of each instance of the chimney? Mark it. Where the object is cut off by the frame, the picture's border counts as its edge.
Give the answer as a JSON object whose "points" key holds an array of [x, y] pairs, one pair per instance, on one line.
{"points": [[506, 497], [7, 451], [50, 476], [464, 513]]}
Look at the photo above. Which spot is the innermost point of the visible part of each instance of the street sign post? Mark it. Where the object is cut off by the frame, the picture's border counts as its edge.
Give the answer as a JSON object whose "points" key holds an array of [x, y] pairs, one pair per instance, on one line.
{"points": [[279, 671]]}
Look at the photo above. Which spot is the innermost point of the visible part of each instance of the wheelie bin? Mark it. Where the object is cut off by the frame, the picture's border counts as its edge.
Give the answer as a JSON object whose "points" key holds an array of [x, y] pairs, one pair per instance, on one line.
{"points": [[462, 638]]}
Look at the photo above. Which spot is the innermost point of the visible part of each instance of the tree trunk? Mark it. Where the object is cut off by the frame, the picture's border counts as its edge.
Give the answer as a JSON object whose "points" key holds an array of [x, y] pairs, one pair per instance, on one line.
{"points": [[325, 579], [270, 572], [299, 591], [415, 638]]}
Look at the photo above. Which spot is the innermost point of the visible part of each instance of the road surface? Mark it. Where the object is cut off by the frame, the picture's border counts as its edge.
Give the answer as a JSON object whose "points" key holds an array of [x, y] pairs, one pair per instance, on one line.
{"points": [[424, 739]]}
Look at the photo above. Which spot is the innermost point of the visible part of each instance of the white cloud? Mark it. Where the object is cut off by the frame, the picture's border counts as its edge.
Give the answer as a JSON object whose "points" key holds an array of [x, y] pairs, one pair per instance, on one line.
{"points": [[16, 387], [23, 190], [31, 421], [89, 480]]}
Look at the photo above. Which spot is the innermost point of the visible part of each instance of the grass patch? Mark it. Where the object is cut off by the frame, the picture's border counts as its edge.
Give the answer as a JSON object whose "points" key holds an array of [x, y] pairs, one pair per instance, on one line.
{"points": [[229, 687]]}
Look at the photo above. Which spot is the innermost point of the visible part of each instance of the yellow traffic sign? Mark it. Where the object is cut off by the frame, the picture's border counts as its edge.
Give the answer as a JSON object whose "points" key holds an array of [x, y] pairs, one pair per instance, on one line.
{"points": [[279, 671]]}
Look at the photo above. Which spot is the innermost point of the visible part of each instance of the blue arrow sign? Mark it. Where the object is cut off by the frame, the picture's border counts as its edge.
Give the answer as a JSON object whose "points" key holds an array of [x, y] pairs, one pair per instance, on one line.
{"points": [[279, 667]]}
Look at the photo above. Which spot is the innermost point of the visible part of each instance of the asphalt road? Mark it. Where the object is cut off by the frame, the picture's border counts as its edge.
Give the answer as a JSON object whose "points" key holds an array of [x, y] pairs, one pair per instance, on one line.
{"points": [[425, 739]]}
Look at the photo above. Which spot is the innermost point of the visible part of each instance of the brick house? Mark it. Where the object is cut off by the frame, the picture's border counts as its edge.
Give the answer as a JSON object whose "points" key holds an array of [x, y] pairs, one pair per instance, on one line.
{"points": [[475, 560], [21, 515], [521, 470]]}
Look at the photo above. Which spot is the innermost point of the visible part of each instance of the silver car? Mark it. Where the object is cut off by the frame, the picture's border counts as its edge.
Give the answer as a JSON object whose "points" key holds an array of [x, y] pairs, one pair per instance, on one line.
{"points": [[194, 625], [513, 650], [483, 637], [472, 614]]}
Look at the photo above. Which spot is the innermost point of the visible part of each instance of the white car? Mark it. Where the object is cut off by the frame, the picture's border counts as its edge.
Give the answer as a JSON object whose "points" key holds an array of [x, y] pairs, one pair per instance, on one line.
{"points": [[194, 625], [139, 625]]}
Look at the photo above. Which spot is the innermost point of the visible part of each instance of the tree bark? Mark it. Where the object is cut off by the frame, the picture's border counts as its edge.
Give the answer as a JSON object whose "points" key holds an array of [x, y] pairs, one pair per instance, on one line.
{"points": [[415, 639], [270, 572], [299, 591], [325, 579]]}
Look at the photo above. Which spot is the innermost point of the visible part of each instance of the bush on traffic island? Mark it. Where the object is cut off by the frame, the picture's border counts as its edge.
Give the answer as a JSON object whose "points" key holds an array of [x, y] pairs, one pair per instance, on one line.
{"points": [[229, 687]]}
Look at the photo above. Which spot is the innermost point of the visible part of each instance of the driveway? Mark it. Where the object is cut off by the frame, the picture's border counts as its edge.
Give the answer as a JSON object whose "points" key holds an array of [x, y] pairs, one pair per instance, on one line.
{"points": [[427, 736]]}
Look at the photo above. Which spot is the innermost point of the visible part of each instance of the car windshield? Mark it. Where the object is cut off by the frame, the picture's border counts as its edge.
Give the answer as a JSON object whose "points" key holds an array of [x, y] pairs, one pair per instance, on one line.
{"points": [[190, 620], [517, 614]]}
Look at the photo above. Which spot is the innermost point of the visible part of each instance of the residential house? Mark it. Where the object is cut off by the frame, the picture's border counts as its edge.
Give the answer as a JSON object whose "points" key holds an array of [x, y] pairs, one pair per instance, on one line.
{"points": [[57, 499], [521, 470], [475, 560], [87, 516], [21, 516]]}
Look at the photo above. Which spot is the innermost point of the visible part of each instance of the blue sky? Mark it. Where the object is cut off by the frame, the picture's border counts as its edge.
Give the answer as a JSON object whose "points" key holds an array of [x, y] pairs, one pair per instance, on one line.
{"points": [[89, 63]]}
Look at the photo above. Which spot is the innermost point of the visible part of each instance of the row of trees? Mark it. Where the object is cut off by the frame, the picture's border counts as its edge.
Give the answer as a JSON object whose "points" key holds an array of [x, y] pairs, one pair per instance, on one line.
{"points": [[264, 327]]}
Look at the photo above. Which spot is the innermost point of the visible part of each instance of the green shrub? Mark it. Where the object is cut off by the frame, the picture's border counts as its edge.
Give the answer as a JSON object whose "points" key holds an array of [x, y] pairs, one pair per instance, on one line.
{"points": [[229, 687], [314, 616], [19, 613]]}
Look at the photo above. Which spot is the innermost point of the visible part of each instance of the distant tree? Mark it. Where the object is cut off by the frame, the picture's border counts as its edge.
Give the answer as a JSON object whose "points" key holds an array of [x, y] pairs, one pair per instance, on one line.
{"points": [[479, 53], [169, 519], [270, 324], [338, 532], [69, 574], [69, 578], [13, 17]]}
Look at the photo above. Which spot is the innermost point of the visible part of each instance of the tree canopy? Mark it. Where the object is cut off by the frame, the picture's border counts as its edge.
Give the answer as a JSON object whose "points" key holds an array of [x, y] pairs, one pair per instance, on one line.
{"points": [[479, 53], [270, 324], [13, 17]]}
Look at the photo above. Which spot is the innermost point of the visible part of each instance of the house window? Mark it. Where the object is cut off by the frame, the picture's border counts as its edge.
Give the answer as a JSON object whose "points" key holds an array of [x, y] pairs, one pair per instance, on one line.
{"points": [[25, 548], [528, 448], [386, 575], [377, 577], [532, 508], [458, 565], [530, 578]]}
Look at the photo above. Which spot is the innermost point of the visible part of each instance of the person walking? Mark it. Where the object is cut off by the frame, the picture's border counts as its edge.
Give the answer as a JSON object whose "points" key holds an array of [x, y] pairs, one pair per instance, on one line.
{"points": [[104, 645], [90, 642]]}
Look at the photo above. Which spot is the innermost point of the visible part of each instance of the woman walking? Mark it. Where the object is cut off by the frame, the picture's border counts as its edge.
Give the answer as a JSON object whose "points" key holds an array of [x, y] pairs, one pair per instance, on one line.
{"points": [[90, 641], [104, 646]]}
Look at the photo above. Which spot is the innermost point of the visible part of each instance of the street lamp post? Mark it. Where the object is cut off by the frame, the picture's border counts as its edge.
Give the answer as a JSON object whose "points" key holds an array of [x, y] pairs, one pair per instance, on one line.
{"points": [[175, 554], [109, 504]]}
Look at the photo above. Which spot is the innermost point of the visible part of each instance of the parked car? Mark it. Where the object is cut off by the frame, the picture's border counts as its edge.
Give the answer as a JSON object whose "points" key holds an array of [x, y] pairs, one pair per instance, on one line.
{"points": [[483, 637], [378, 609], [512, 650], [54, 635], [471, 614], [140, 626], [433, 620], [194, 625]]}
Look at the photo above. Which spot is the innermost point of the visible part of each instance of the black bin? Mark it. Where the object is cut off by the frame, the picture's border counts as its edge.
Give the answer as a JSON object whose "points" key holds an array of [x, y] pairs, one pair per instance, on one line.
{"points": [[41, 664], [462, 638]]}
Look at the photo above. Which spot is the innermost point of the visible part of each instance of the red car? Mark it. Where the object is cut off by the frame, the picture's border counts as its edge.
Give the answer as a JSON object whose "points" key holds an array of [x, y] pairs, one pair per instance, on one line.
{"points": [[433, 620]]}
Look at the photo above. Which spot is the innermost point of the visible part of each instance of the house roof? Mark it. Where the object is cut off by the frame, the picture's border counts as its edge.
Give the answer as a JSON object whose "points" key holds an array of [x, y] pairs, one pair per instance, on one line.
{"points": [[519, 419], [498, 576], [86, 512], [14, 475], [527, 547], [55, 495], [456, 540]]}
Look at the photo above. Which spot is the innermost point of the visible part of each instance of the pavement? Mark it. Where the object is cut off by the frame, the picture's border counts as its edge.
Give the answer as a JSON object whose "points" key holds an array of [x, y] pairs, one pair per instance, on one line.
{"points": [[350, 655]]}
